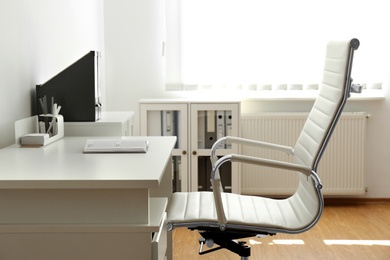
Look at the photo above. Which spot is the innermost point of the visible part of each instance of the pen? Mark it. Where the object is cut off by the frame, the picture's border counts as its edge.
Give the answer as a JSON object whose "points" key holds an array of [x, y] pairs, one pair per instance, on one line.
{"points": [[56, 112]]}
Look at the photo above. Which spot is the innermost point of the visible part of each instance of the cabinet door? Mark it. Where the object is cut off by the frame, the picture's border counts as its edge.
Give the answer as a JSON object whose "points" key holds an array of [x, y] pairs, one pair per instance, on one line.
{"points": [[208, 123], [164, 119]]}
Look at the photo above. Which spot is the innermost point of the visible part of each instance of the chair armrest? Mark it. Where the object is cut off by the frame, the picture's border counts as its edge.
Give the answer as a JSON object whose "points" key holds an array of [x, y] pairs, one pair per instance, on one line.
{"points": [[244, 141], [261, 162], [271, 163], [250, 142], [216, 180]]}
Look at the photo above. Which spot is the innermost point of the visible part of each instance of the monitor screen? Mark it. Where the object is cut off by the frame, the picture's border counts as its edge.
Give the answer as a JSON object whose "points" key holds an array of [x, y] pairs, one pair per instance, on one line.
{"points": [[75, 89]]}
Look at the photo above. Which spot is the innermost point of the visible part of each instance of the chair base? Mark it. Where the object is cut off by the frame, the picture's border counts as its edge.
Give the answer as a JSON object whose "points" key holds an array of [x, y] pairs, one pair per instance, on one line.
{"points": [[226, 240]]}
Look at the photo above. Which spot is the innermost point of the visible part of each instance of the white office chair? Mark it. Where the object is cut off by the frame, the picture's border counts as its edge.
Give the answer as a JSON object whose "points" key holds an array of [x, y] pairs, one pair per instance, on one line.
{"points": [[221, 218]]}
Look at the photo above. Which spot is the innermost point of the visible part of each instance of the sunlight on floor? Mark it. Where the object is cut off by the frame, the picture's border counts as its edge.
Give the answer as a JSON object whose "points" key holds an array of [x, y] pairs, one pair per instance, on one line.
{"points": [[327, 242], [280, 242], [358, 242], [287, 242]]}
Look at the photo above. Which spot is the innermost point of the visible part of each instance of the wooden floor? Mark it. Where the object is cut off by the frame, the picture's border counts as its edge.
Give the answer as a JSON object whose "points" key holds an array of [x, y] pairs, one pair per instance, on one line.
{"points": [[343, 232]]}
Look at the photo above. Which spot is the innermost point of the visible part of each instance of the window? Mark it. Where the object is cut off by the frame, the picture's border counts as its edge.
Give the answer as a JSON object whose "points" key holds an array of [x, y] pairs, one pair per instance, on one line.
{"points": [[242, 44]]}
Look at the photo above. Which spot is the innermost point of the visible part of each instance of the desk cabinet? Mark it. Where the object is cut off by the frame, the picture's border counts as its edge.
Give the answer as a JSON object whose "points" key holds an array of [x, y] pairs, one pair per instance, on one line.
{"points": [[197, 125], [58, 203]]}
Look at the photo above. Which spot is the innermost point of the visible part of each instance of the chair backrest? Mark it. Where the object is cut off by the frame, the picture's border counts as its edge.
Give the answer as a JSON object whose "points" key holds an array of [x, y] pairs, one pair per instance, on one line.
{"points": [[334, 91]]}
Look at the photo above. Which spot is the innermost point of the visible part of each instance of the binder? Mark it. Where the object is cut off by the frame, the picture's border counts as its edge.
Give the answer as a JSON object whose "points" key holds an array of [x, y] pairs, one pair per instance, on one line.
{"points": [[207, 174], [201, 129], [166, 123], [202, 173], [176, 117], [169, 124], [225, 171], [210, 129], [176, 174], [226, 176], [228, 126], [220, 125]]}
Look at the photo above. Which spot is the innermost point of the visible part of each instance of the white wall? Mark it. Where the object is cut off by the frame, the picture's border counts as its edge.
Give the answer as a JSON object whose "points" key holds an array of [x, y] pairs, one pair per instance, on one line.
{"points": [[15, 67], [133, 49], [39, 38]]}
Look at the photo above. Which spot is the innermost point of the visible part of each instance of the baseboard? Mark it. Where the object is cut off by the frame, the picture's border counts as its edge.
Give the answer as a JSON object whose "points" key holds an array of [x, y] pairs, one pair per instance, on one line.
{"points": [[356, 201]]}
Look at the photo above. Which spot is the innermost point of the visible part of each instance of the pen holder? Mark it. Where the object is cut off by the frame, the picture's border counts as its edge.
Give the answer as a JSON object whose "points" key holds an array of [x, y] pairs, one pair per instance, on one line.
{"points": [[31, 126], [52, 125]]}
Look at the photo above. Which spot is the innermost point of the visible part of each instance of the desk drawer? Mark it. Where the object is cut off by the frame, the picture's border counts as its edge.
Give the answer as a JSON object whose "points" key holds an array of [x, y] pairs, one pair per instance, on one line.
{"points": [[159, 241]]}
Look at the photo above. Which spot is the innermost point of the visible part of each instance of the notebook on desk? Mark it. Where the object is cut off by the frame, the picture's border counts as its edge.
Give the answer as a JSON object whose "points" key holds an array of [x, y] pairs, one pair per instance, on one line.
{"points": [[116, 146]]}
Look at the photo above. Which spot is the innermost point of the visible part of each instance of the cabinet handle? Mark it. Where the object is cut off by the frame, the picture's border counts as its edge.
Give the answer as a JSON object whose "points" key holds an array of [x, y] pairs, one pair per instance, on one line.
{"points": [[184, 152], [194, 152]]}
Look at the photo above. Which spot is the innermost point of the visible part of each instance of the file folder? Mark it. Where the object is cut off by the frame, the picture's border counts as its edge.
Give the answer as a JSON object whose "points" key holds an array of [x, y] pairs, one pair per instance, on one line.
{"points": [[228, 126], [176, 174], [204, 175], [226, 176], [201, 129], [210, 129], [221, 126], [169, 125]]}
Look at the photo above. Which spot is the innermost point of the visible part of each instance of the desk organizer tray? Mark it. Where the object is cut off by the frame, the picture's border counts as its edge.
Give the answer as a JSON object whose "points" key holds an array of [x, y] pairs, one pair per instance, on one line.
{"points": [[29, 130]]}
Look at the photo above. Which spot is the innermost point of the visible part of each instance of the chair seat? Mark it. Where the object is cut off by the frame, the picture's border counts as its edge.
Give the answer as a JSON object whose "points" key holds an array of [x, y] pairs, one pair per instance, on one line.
{"points": [[241, 210]]}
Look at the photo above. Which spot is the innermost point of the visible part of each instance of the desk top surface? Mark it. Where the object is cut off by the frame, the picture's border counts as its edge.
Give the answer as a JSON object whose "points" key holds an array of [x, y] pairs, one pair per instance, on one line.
{"points": [[62, 165]]}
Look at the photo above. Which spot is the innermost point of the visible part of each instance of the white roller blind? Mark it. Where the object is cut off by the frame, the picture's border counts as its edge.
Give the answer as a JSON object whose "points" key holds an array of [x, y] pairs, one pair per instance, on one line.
{"points": [[243, 42]]}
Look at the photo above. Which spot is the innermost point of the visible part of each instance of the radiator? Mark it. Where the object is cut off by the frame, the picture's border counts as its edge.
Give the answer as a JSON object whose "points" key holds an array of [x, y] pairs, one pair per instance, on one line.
{"points": [[341, 168]]}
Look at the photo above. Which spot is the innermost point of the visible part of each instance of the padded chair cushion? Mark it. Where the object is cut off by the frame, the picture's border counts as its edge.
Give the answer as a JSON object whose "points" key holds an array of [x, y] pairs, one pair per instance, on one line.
{"points": [[291, 214], [326, 104]]}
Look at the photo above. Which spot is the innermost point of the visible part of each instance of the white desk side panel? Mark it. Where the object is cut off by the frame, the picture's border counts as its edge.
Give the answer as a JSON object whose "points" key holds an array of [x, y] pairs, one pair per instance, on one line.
{"points": [[58, 203]]}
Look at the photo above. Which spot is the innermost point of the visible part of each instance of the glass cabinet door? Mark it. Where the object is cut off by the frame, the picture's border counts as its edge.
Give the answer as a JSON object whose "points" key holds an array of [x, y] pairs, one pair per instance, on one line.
{"points": [[169, 120], [197, 126], [211, 122]]}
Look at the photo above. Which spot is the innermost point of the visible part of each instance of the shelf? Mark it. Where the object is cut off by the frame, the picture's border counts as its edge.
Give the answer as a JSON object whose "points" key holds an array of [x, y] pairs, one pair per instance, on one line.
{"points": [[112, 123], [157, 210], [189, 100]]}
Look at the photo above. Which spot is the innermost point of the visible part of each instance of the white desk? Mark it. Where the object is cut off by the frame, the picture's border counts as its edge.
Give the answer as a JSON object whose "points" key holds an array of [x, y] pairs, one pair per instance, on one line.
{"points": [[58, 203]]}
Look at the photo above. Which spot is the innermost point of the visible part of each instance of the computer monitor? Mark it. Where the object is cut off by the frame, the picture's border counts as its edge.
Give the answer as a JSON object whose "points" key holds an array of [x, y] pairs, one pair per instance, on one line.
{"points": [[76, 89]]}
